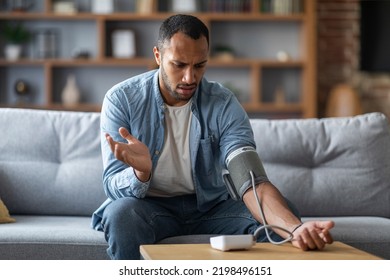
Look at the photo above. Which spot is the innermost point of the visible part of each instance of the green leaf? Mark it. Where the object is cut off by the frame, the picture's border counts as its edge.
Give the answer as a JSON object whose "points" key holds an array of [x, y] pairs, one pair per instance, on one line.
{"points": [[15, 33]]}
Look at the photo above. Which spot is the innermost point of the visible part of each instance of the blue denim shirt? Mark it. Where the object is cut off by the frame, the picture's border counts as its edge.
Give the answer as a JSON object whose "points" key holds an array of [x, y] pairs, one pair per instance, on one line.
{"points": [[219, 126]]}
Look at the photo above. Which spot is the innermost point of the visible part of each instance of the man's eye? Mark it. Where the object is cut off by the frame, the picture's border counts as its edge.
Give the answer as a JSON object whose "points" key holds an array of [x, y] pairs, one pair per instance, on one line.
{"points": [[200, 65], [178, 65]]}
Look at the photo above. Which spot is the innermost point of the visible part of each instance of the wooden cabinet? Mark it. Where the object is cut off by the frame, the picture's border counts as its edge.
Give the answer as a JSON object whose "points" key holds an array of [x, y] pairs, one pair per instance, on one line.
{"points": [[272, 70]]}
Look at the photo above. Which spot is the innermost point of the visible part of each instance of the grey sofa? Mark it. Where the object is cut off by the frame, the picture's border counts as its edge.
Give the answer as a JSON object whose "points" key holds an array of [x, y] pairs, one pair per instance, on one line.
{"points": [[50, 179]]}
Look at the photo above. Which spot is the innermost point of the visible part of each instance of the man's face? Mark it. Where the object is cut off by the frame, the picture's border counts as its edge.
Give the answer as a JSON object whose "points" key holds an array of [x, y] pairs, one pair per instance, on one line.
{"points": [[182, 64]]}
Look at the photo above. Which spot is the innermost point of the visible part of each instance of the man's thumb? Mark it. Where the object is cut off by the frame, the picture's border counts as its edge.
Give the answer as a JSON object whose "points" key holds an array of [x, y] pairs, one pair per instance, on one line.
{"points": [[125, 134], [325, 224]]}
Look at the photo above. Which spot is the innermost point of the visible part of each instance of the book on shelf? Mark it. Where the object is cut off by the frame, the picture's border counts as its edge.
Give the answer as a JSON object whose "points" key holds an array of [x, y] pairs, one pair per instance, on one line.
{"points": [[225, 6], [205, 6], [281, 7]]}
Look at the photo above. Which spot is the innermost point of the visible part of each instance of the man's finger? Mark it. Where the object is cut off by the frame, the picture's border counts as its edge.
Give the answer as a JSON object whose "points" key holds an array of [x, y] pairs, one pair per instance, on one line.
{"points": [[325, 224], [300, 244], [126, 135], [320, 243], [327, 237], [306, 237], [110, 142]]}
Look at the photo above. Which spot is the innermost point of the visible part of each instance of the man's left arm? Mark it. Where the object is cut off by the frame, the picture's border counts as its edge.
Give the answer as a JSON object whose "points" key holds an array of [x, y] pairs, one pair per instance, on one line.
{"points": [[306, 236]]}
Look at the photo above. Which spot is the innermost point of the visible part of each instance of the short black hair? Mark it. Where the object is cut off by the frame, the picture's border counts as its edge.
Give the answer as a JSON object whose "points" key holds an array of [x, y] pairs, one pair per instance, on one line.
{"points": [[187, 24]]}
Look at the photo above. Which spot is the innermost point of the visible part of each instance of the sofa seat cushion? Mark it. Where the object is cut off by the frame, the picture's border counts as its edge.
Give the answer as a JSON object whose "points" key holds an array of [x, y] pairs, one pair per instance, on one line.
{"points": [[51, 237]]}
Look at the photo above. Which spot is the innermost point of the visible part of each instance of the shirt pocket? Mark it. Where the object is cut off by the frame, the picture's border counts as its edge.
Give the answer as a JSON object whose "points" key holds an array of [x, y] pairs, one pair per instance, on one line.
{"points": [[205, 160]]}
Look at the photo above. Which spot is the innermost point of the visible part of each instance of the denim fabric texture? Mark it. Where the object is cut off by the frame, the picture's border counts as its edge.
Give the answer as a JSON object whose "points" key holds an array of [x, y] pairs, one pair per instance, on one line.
{"points": [[219, 126]]}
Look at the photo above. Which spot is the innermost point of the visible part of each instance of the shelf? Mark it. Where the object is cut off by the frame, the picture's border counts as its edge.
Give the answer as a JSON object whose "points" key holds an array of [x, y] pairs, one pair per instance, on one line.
{"points": [[213, 62], [151, 16], [254, 73]]}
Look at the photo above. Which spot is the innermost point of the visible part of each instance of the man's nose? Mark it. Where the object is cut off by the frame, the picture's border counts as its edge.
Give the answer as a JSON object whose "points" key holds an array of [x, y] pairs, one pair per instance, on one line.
{"points": [[189, 75]]}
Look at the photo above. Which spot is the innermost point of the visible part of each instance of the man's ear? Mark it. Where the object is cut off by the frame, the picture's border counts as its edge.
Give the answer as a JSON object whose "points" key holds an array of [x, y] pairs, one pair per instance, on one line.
{"points": [[157, 55]]}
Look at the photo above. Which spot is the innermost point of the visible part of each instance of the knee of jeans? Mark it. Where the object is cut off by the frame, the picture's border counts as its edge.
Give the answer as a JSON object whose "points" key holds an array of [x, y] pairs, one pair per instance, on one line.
{"points": [[119, 211]]}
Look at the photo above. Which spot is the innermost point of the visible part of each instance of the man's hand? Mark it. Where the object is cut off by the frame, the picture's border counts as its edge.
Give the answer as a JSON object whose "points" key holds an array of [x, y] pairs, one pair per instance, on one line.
{"points": [[313, 235], [134, 153]]}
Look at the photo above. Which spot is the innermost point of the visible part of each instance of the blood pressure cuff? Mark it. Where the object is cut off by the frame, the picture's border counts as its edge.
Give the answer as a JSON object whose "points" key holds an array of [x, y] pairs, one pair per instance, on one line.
{"points": [[237, 176]]}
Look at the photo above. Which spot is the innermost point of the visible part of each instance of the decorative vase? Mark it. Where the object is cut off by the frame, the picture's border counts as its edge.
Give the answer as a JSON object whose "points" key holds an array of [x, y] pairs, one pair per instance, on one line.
{"points": [[103, 6], [12, 52], [22, 90], [71, 93], [123, 44], [343, 101], [144, 6], [280, 96], [180, 6]]}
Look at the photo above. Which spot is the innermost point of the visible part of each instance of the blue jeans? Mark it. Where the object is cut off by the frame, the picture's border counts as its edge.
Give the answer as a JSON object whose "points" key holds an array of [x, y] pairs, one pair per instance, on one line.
{"points": [[129, 222]]}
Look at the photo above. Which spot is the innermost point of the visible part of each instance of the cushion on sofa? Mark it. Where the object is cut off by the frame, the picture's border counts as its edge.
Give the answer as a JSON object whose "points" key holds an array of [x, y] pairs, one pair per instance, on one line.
{"points": [[58, 171], [4, 214], [329, 167]]}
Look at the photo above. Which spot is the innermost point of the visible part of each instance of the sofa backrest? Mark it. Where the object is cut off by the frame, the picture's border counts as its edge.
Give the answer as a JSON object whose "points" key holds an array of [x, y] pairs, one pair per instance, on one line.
{"points": [[50, 162], [329, 167]]}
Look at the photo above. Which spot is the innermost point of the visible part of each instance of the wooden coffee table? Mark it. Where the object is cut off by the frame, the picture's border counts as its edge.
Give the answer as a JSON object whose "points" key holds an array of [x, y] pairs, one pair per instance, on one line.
{"points": [[261, 251]]}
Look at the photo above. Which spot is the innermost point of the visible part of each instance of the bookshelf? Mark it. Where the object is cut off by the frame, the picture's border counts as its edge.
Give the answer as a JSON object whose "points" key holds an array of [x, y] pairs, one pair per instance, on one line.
{"points": [[268, 45]]}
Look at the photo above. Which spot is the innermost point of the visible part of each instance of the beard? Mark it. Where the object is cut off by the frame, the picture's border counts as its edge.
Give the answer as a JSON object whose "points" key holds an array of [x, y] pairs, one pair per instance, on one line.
{"points": [[170, 88]]}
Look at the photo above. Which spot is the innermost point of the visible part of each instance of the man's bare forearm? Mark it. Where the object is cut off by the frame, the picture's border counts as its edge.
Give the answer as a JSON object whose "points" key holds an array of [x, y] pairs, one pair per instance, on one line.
{"points": [[275, 208]]}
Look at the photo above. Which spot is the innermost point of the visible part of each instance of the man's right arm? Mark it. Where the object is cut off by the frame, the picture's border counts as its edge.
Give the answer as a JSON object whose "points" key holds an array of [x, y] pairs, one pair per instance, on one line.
{"points": [[119, 178], [134, 153]]}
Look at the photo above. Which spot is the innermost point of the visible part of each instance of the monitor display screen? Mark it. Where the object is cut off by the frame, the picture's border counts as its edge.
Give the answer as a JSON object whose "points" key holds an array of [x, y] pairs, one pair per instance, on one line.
{"points": [[375, 35]]}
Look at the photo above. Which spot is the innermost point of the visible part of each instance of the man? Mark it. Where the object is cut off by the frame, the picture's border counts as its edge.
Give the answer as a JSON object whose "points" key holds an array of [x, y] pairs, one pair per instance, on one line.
{"points": [[166, 136]]}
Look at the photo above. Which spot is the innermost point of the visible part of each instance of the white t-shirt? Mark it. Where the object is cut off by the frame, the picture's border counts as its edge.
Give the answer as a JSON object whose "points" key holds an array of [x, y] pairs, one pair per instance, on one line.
{"points": [[172, 175]]}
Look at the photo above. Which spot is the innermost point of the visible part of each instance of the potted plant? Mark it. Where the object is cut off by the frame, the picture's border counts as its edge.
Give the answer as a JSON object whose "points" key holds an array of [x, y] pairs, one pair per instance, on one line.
{"points": [[15, 35], [224, 52]]}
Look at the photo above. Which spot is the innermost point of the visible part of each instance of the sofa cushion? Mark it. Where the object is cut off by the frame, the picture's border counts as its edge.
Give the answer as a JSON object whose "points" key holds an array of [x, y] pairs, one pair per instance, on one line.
{"points": [[51, 238], [367, 233], [50, 162], [4, 214], [329, 167]]}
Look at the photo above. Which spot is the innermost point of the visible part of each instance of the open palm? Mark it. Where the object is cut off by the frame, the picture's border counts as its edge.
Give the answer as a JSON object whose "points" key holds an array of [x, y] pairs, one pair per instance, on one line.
{"points": [[134, 153]]}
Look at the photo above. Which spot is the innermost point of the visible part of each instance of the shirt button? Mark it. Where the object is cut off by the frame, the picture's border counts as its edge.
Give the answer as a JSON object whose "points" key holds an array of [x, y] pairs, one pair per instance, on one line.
{"points": [[157, 152]]}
